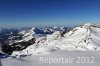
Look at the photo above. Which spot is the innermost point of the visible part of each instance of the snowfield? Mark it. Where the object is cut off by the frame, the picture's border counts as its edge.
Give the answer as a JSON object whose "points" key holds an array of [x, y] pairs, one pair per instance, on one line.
{"points": [[35, 60]]}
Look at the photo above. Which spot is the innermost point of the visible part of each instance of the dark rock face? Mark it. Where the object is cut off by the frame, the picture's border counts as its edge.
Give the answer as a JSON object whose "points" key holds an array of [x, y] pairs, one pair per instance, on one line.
{"points": [[22, 45], [7, 49], [18, 46]]}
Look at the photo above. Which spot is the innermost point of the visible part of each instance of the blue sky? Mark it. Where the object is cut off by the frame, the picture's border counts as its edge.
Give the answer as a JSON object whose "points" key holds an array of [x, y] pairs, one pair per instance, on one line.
{"points": [[48, 12]]}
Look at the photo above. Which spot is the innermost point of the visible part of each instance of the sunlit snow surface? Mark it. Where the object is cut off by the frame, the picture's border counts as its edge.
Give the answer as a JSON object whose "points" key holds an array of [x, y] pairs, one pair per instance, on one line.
{"points": [[34, 60]]}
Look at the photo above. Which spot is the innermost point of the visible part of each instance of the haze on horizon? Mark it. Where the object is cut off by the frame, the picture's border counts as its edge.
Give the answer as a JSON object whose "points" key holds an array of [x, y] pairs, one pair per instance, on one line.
{"points": [[48, 12]]}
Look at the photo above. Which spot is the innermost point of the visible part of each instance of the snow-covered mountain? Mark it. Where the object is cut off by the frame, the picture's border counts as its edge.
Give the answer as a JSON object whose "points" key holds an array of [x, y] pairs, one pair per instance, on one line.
{"points": [[19, 39], [85, 37]]}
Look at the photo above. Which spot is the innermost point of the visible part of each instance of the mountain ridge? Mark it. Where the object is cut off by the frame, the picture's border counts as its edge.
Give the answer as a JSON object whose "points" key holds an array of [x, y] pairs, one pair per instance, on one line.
{"points": [[82, 38]]}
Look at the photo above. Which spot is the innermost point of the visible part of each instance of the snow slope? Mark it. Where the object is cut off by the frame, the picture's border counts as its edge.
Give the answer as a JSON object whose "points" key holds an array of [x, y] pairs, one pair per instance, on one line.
{"points": [[34, 60], [83, 38]]}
